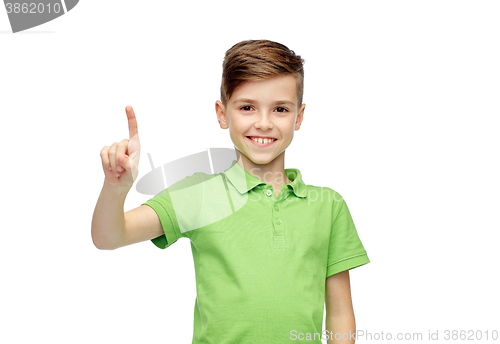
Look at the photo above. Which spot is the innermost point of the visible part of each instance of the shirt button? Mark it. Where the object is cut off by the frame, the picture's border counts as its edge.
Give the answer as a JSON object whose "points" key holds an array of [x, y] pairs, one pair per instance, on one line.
{"points": [[278, 221], [269, 192], [276, 208]]}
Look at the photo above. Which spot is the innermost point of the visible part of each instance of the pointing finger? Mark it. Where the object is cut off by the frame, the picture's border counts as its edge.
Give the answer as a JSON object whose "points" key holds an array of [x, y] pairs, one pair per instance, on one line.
{"points": [[132, 122]]}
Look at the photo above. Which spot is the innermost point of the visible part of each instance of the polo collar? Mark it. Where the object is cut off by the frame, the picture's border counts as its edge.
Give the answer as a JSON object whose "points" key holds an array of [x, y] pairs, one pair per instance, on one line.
{"points": [[243, 181]]}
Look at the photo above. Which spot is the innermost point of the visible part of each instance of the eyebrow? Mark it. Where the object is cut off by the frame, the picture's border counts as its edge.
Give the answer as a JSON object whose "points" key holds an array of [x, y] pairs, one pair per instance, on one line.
{"points": [[247, 100]]}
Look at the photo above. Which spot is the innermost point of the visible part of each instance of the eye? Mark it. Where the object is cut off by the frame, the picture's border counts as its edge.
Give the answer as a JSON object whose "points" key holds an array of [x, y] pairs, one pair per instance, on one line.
{"points": [[282, 109], [245, 108]]}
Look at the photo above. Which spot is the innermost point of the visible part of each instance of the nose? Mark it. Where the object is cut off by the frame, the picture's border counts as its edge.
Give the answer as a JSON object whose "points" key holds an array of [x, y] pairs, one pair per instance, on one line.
{"points": [[263, 122]]}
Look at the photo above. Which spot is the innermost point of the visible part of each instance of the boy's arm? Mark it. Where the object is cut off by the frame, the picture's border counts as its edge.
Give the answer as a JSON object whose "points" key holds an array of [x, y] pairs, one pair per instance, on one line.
{"points": [[339, 312], [108, 221], [112, 228]]}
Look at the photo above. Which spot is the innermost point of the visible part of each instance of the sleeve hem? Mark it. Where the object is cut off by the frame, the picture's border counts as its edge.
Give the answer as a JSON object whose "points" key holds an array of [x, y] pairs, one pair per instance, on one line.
{"points": [[170, 229], [347, 264]]}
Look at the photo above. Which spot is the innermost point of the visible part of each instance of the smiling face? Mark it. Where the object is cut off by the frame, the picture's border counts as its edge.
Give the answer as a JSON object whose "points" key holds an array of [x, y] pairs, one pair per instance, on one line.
{"points": [[267, 109]]}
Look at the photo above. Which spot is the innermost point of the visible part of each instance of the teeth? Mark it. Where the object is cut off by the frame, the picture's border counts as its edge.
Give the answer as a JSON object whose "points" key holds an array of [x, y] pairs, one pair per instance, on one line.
{"points": [[260, 140]]}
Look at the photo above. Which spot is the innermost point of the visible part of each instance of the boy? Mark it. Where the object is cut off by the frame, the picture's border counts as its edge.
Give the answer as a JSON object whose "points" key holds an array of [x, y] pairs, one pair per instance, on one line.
{"points": [[279, 249]]}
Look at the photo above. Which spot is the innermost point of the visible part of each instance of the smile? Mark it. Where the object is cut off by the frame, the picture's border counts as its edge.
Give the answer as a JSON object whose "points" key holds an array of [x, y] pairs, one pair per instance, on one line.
{"points": [[262, 142]]}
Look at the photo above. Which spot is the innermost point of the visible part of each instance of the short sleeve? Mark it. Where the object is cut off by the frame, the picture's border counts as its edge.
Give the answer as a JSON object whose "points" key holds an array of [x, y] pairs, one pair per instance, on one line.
{"points": [[188, 204], [345, 249], [162, 205]]}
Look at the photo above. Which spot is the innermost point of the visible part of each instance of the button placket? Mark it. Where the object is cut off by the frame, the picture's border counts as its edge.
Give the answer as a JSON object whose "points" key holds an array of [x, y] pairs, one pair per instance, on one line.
{"points": [[277, 223], [279, 232], [279, 229]]}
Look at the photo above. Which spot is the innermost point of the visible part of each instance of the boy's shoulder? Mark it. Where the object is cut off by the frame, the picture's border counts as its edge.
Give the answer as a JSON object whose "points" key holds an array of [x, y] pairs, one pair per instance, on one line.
{"points": [[322, 193], [313, 189]]}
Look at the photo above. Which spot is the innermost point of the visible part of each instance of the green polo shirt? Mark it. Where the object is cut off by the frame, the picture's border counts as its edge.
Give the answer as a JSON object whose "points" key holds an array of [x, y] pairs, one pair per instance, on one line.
{"points": [[260, 260]]}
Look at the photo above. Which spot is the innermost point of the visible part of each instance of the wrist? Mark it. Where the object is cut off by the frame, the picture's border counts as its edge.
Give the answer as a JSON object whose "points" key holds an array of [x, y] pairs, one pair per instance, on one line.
{"points": [[117, 190]]}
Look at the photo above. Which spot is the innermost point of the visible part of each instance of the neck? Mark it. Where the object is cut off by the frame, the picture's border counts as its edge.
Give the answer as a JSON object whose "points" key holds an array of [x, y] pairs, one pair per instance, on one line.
{"points": [[272, 173]]}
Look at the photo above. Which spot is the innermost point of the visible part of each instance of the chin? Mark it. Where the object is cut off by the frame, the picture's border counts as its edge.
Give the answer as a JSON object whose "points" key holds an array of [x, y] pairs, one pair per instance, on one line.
{"points": [[260, 160]]}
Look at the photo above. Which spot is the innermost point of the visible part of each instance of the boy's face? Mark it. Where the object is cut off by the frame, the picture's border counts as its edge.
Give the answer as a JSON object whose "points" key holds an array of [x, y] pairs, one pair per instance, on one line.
{"points": [[265, 108]]}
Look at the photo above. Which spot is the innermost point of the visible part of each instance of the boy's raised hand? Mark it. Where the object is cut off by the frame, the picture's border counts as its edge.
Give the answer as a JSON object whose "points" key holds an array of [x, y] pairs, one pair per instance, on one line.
{"points": [[120, 161]]}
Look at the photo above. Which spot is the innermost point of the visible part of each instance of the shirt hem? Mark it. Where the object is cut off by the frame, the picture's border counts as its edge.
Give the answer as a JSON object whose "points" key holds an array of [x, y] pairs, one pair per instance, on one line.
{"points": [[348, 263], [170, 230]]}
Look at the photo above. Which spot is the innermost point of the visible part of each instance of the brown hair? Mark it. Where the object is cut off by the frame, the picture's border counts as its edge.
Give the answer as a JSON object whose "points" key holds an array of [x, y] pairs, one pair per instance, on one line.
{"points": [[253, 60]]}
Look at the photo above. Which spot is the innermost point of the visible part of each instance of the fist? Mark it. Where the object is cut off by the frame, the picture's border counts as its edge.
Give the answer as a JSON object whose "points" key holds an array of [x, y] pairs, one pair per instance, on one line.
{"points": [[120, 161]]}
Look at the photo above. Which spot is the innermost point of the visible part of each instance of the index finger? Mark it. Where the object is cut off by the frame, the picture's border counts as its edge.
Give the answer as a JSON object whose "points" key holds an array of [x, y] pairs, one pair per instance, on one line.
{"points": [[132, 122]]}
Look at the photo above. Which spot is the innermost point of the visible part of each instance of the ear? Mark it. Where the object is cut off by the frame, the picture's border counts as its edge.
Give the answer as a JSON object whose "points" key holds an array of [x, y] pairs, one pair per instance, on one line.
{"points": [[221, 114], [300, 117]]}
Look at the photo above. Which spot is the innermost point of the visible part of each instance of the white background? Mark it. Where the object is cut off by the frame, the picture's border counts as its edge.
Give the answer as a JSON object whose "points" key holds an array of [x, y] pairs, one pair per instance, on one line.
{"points": [[402, 119]]}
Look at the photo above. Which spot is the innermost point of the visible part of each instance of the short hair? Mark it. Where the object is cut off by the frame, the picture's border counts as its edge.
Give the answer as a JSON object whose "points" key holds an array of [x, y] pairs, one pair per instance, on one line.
{"points": [[253, 60]]}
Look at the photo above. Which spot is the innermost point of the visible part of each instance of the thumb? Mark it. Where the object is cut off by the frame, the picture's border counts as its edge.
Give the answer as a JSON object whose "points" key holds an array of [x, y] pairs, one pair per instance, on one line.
{"points": [[124, 161], [129, 165]]}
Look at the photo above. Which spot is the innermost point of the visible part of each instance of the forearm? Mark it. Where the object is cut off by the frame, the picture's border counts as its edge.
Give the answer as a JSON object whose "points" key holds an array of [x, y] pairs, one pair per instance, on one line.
{"points": [[108, 221], [341, 329]]}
